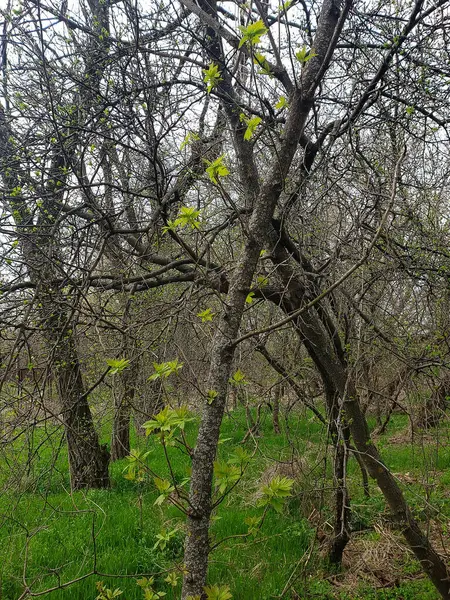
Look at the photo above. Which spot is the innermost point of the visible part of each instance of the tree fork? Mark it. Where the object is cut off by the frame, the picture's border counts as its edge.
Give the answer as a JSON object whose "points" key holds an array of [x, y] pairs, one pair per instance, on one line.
{"points": [[263, 201]]}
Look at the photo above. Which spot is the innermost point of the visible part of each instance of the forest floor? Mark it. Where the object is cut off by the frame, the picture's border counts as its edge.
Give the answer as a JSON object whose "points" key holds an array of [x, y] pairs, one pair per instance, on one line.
{"points": [[49, 537]]}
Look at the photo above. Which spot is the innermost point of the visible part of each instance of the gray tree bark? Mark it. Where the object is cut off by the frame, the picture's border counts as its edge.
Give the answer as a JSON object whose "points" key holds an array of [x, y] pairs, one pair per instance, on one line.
{"points": [[88, 459], [323, 347], [263, 201]]}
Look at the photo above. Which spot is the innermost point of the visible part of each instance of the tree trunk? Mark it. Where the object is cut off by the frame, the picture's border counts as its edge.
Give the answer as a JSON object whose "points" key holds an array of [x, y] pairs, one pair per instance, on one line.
{"points": [[331, 368], [278, 367], [431, 562], [39, 240], [341, 529], [232, 398], [120, 440], [316, 331], [147, 407], [262, 200], [88, 459], [276, 393], [339, 436]]}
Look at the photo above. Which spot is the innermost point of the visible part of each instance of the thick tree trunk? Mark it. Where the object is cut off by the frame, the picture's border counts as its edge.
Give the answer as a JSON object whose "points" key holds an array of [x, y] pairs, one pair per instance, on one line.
{"points": [[39, 244], [88, 459]]}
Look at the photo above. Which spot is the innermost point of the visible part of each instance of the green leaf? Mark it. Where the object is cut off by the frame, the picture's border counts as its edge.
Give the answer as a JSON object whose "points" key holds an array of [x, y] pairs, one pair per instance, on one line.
{"points": [[216, 169], [165, 369], [249, 298], [304, 55], [188, 216], [168, 420], [163, 485], [165, 488], [240, 456], [169, 227], [252, 33], [149, 592], [144, 582], [117, 365], [212, 77], [225, 475], [282, 102], [105, 593], [261, 60], [218, 592], [223, 440], [211, 396], [252, 124], [262, 280], [163, 538], [190, 137], [253, 524], [275, 492], [16, 191], [206, 315], [285, 6], [136, 468], [172, 579], [238, 378]]}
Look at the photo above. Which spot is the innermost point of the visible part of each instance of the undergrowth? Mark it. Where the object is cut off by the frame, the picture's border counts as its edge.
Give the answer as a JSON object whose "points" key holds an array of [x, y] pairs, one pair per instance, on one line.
{"points": [[50, 536]]}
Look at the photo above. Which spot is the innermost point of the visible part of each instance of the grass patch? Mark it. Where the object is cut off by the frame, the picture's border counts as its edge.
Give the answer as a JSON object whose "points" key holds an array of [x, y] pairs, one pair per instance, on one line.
{"points": [[61, 536]]}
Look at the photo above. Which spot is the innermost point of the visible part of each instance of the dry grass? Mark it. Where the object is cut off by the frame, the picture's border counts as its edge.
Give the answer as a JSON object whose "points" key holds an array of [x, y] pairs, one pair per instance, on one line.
{"points": [[382, 560]]}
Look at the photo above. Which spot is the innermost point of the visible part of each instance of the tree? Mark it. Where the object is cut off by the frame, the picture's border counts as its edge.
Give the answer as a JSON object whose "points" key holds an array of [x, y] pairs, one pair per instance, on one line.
{"points": [[277, 165]]}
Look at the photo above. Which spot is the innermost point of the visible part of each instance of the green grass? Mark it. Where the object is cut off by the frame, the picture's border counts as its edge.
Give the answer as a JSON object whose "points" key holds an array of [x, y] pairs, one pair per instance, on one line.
{"points": [[57, 534]]}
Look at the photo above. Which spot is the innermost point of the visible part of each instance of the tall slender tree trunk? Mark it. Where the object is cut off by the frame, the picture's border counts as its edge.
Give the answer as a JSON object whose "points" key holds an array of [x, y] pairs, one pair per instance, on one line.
{"points": [[120, 441], [263, 201], [323, 353], [276, 394], [339, 437], [200, 497]]}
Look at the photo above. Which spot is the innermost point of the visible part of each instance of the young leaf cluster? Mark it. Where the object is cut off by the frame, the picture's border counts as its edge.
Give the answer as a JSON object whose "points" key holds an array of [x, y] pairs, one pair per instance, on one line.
{"points": [[275, 493], [188, 217], [165, 369], [135, 468], [252, 33], [252, 124], [117, 365], [216, 169], [168, 421], [212, 77]]}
